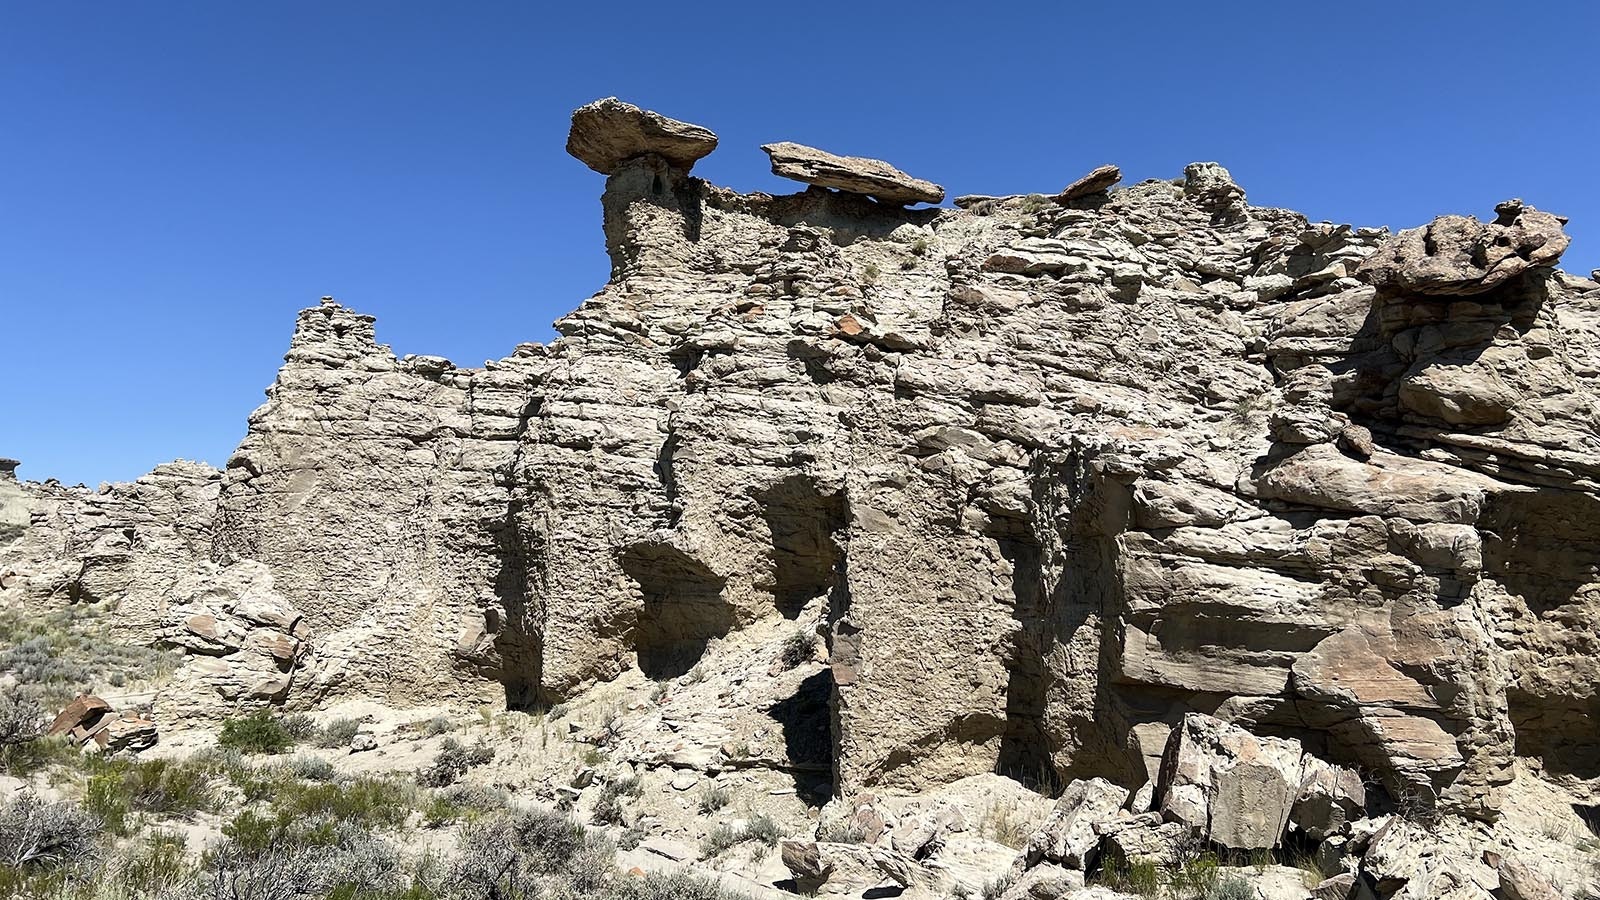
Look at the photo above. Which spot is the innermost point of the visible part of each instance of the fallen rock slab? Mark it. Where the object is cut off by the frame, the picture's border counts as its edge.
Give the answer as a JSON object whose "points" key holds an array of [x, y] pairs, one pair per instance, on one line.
{"points": [[607, 132], [85, 711], [854, 174]]}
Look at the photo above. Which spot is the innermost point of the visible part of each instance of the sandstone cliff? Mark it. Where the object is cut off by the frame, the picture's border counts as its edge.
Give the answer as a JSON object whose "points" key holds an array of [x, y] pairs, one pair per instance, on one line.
{"points": [[1048, 475]]}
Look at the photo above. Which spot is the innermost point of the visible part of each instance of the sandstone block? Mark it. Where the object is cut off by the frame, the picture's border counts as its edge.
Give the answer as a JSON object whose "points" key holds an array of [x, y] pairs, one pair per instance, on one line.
{"points": [[1233, 787]]}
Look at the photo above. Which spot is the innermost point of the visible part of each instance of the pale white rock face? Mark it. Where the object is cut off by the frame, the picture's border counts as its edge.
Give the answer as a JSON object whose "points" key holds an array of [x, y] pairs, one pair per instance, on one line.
{"points": [[1042, 483]]}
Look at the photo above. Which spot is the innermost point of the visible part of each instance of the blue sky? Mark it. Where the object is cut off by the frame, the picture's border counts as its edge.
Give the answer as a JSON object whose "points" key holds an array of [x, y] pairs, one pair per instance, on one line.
{"points": [[177, 179]]}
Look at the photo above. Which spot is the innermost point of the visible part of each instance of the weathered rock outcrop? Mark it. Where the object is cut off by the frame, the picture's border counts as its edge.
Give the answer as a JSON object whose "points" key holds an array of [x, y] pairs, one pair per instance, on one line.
{"points": [[1203, 499]]}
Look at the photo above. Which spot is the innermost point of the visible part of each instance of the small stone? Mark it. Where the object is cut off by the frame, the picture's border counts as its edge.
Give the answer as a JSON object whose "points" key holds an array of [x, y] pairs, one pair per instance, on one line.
{"points": [[684, 780], [1356, 440], [362, 742]]}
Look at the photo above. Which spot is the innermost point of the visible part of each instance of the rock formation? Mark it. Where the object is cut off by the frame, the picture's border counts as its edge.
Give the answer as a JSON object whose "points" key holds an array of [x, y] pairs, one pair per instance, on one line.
{"points": [[872, 177], [1261, 523]]}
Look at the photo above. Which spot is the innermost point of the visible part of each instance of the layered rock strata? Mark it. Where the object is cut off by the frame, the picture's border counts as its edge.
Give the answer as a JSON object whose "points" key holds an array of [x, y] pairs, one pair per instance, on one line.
{"points": [[1049, 479]]}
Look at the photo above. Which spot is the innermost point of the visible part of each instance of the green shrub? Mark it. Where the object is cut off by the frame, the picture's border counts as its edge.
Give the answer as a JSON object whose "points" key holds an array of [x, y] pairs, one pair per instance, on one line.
{"points": [[452, 761], [22, 760], [842, 832], [117, 788], [718, 839], [763, 829], [759, 828], [271, 857], [1230, 887], [155, 867], [511, 856], [993, 889], [338, 734], [300, 726], [798, 648], [312, 768], [714, 797], [259, 732], [608, 806], [673, 886], [367, 801]]}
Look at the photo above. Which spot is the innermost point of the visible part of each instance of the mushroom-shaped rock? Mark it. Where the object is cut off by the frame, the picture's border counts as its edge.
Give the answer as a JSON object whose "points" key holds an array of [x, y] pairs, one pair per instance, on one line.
{"points": [[857, 175], [607, 132], [1096, 182], [1460, 256]]}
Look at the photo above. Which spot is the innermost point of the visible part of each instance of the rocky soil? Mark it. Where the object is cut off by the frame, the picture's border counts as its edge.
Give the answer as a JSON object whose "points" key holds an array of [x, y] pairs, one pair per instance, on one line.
{"points": [[1105, 541]]}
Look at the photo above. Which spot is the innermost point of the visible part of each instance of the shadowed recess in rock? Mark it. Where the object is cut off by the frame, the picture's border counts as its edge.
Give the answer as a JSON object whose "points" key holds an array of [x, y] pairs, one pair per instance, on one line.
{"points": [[806, 718], [806, 559], [682, 609]]}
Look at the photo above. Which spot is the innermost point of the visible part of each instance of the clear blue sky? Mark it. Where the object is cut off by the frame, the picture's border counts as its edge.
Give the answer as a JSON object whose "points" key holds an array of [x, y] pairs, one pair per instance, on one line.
{"points": [[178, 178]]}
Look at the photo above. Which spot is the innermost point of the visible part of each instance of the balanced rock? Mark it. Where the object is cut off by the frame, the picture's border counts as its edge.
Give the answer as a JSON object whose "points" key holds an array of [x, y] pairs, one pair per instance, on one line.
{"points": [[607, 132], [853, 174], [1460, 256], [1096, 182]]}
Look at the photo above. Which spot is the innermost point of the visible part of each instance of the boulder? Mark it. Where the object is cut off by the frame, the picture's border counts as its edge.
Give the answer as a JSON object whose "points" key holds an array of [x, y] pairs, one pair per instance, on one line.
{"points": [[1097, 181], [1229, 785], [1330, 797], [1338, 887], [127, 732], [853, 174], [84, 712], [827, 867], [1211, 187], [1068, 836], [1046, 881], [1144, 839], [1456, 256], [607, 132], [1405, 861], [1520, 881]]}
